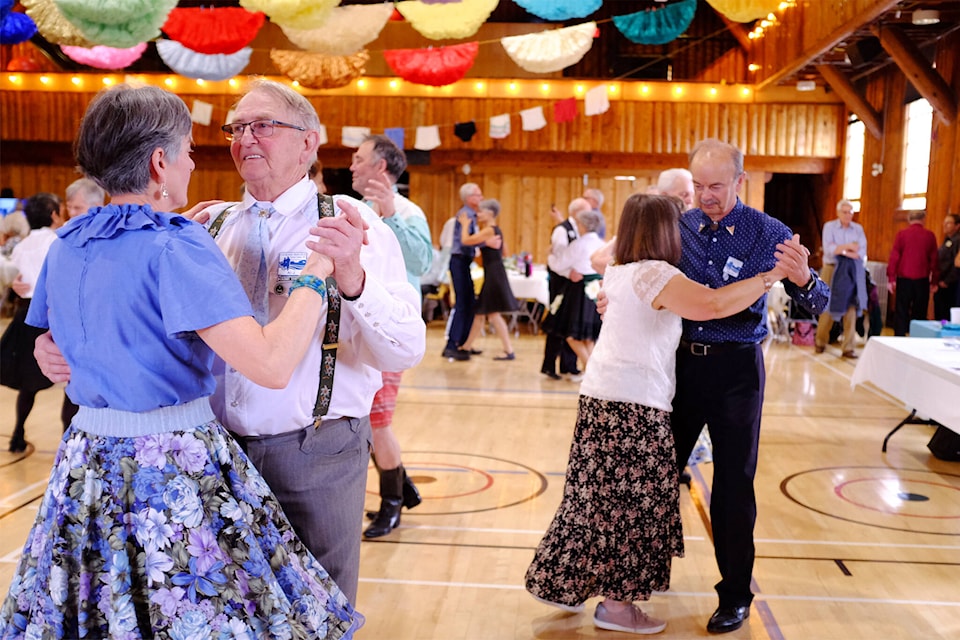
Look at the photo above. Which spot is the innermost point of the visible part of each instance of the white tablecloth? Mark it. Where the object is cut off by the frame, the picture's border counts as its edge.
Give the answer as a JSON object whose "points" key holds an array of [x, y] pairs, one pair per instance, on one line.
{"points": [[924, 373], [532, 288]]}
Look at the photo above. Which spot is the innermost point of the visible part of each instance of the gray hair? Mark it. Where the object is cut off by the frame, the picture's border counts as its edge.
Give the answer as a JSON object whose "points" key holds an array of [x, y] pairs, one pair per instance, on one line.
{"points": [[913, 216], [91, 192], [577, 205], [844, 202], [15, 224], [121, 129], [670, 177], [302, 107], [491, 205], [713, 146], [389, 152], [467, 190], [590, 219], [595, 194]]}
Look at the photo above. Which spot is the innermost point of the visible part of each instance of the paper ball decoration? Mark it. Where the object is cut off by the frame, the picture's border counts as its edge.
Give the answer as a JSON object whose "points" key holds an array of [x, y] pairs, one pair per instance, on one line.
{"points": [[558, 10], [436, 66], [550, 51], [211, 31], [24, 63], [346, 31], [447, 21], [101, 57], [51, 24], [15, 27], [212, 66], [744, 10], [302, 14], [657, 26], [117, 23], [319, 71]]}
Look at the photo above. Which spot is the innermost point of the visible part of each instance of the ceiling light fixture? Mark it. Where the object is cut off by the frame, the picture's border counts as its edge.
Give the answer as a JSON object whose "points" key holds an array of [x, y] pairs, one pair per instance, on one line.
{"points": [[922, 17], [806, 85]]}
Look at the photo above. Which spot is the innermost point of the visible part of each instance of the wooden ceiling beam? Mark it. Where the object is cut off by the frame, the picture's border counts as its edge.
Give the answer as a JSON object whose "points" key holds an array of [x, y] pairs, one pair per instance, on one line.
{"points": [[853, 99], [737, 30], [918, 71]]}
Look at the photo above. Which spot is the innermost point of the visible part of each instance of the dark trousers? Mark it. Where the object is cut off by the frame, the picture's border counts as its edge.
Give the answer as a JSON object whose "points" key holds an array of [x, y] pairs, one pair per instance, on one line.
{"points": [[943, 300], [558, 347], [725, 392], [463, 307], [912, 298]]}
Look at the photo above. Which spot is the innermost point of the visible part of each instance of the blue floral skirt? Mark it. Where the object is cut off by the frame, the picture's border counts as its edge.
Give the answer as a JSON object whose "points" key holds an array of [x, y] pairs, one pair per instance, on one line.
{"points": [[174, 535]]}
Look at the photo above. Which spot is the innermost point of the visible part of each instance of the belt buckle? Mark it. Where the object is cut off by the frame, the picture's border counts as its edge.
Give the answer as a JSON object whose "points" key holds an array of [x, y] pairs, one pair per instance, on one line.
{"points": [[699, 348]]}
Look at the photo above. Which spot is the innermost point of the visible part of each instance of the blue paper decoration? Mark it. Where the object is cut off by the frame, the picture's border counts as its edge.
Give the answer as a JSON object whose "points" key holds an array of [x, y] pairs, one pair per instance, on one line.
{"points": [[15, 27], [560, 9], [657, 26]]}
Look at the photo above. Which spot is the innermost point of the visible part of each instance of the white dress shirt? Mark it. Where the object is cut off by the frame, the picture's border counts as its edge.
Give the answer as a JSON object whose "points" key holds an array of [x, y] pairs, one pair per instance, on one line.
{"points": [[558, 243], [380, 331], [29, 254]]}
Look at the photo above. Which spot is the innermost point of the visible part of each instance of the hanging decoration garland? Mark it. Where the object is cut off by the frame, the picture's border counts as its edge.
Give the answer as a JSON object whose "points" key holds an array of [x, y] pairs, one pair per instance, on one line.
{"points": [[558, 10], [108, 58], [117, 23], [211, 30], [550, 50], [203, 66], [744, 10], [346, 31], [435, 66], [318, 71], [452, 21], [657, 26]]}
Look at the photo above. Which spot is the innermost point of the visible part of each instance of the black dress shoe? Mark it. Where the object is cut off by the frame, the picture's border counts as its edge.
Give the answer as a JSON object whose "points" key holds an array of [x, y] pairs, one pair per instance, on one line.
{"points": [[685, 478], [456, 354], [17, 446], [726, 619], [388, 518], [550, 374]]}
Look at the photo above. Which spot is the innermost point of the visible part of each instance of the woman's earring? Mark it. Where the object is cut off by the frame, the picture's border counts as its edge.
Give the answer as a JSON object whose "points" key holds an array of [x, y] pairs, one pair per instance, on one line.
{"points": [[163, 191]]}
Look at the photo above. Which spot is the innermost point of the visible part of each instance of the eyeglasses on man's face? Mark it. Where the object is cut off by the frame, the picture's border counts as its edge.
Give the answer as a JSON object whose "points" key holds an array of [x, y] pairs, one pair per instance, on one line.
{"points": [[259, 128]]}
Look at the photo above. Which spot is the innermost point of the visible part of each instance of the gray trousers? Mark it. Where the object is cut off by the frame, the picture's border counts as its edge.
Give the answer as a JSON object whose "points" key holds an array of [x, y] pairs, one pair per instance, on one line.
{"points": [[320, 478]]}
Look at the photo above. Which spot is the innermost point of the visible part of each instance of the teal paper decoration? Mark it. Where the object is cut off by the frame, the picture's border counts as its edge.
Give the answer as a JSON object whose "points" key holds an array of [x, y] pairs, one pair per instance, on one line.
{"points": [[557, 10], [657, 26]]}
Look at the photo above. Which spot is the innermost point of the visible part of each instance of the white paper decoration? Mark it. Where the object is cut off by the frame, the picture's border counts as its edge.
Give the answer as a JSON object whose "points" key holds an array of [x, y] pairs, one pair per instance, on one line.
{"points": [[189, 63], [550, 50], [346, 30]]}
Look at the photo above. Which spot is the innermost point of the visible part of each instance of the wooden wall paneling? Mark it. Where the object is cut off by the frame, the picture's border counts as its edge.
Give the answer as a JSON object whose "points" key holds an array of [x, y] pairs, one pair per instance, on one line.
{"points": [[943, 193]]}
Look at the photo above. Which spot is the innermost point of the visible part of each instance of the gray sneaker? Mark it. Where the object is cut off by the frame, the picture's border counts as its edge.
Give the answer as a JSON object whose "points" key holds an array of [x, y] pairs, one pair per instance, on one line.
{"points": [[630, 620]]}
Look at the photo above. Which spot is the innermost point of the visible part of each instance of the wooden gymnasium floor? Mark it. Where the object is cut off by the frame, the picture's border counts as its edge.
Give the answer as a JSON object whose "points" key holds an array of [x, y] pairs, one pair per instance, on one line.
{"points": [[841, 554]]}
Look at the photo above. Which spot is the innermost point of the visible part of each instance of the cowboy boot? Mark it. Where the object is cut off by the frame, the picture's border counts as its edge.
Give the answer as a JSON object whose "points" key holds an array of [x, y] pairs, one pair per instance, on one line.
{"points": [[411, 496], [391, 502]]}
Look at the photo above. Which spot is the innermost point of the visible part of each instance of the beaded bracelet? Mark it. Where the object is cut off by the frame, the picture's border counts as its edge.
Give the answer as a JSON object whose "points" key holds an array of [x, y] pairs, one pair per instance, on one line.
{"points": [[312, 282]]}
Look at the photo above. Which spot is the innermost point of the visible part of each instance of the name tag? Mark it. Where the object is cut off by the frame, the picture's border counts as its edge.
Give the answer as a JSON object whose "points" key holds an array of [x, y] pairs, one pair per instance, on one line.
{"points": [[732, 268]]}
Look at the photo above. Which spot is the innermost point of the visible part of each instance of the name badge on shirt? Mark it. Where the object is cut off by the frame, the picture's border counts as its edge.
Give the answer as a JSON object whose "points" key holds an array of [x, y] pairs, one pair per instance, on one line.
{"points": [[289, 266], [732, 268]]}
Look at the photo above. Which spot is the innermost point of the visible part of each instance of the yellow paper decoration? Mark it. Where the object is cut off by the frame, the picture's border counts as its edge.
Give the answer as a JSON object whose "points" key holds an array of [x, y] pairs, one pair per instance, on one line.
{"points": [[318, 71], [452, 20], [51, 24], [346, 30], [744, 10], [302, 14], [550, 51]]}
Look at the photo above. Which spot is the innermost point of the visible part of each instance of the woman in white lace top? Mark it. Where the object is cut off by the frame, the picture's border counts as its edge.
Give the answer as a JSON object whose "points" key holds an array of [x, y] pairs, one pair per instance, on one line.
{"points": [[618, 526]]}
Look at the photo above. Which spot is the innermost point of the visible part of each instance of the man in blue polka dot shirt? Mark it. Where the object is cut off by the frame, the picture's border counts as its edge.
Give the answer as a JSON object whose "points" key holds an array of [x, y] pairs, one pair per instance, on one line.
{"points": [[720, 370]]}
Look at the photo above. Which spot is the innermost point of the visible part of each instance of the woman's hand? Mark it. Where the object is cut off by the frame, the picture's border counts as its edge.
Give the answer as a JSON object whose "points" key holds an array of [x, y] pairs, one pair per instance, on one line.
{"points": [[339, 238], [198, 212]]}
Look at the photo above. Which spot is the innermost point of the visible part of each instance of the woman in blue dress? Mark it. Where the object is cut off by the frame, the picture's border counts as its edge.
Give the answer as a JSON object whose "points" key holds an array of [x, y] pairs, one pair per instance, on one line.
{"points": [[154, 523]]}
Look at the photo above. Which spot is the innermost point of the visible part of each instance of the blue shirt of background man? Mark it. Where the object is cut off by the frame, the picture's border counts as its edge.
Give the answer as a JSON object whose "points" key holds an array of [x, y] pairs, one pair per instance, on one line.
{"points": [[457, 247], [750, 237], [123, 291]]}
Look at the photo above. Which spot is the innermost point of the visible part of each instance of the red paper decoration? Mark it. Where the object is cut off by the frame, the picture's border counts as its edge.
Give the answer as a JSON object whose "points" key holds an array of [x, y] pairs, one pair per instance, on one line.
{"points": [[435, 66], [224, 30]]}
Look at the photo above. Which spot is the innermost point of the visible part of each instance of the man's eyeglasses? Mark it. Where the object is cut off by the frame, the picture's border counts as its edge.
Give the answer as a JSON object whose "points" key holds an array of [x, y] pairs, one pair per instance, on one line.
{"points": [[259, 128]]}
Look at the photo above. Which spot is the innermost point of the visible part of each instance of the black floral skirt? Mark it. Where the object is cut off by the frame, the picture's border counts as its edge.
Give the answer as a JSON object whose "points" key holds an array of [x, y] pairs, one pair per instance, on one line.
{"points": [[618, 526]]}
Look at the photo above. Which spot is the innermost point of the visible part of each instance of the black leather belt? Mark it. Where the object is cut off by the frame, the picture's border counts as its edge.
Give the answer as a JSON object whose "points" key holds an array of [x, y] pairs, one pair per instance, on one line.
{"points": [[715, 348]]}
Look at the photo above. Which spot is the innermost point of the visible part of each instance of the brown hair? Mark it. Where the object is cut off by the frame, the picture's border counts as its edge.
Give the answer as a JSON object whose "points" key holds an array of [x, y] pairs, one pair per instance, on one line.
{"points": [[649, 229]]}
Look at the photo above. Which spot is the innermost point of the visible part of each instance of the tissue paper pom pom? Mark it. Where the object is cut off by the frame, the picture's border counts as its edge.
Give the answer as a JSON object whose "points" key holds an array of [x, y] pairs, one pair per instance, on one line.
{"points": [[189, 63], [203, 30], [16, 28], [52, 25], [117, 23], [303, 14], [317, 71], [102, 57], [744, 10], [550, 50], [346, 30], [435, 67], [558, 10], [447, 21], [658, 26]]}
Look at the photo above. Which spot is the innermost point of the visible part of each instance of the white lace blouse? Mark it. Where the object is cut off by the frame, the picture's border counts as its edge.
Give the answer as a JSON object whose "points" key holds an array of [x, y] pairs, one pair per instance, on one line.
{"points": [[635, 355]]}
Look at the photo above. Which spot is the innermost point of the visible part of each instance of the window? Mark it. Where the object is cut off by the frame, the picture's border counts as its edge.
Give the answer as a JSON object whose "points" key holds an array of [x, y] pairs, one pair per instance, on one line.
{"points": [[853, 163], [916, 155]]}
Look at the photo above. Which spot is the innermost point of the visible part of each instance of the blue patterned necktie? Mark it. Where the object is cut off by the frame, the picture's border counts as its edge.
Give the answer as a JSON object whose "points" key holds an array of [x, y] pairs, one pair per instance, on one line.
{"points": [[252, 267]]}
